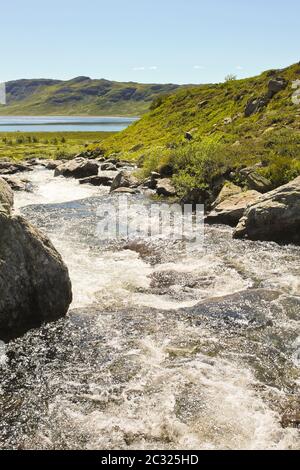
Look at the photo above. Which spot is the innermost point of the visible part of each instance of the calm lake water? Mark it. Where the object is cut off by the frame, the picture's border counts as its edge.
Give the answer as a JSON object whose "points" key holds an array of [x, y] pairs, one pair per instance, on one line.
{"points": [[63, 123]]}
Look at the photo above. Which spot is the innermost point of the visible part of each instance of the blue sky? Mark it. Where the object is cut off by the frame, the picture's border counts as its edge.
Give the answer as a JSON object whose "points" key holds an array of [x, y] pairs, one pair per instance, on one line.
{"points": [[191, 41]]}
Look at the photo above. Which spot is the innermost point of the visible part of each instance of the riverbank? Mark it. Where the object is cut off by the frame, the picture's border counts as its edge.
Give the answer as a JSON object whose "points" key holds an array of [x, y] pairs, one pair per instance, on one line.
{"points": [[55, 145]]}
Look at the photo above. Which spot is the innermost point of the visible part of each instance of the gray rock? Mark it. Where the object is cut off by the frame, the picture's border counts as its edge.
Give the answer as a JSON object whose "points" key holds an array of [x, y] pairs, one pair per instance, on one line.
{"points": [[10, 168], [108, 167], [100, 180], [276, 85], [124, 179], [6, 197], [255, 105], [34, 282], [230, 210], [165, 188], [77, 168], [18, 184], [274, 217]]}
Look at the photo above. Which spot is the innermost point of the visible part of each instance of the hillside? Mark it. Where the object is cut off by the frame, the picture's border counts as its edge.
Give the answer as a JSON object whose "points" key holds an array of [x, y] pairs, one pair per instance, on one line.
{"points": [[202, 131], [80, 96]]}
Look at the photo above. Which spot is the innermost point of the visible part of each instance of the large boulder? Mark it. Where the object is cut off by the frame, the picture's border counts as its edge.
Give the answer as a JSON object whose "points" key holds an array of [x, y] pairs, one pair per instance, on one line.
{"points": [[34, 282], [6, 197], [255, 180], [276, 85], [274, 217], [230, 210], [124, 179], [77, 168]]}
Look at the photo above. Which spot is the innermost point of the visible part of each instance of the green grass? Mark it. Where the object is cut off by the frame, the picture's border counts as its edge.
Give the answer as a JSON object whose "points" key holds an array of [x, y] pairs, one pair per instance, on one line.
{"points": [[25, 145], [271, 136]]}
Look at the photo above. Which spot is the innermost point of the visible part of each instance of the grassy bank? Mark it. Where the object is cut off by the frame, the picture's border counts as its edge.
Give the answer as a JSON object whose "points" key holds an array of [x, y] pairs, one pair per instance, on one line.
{"points": [[22, 145], [222, 135]]}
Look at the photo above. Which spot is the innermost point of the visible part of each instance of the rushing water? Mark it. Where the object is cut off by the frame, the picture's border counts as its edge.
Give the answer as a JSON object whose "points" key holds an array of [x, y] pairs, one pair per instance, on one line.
{"points": [[63, 123], [167, 345]]}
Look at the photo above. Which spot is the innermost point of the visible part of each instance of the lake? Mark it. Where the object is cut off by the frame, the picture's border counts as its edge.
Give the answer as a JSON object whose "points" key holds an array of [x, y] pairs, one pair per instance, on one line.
{"points": [[63, 123]]}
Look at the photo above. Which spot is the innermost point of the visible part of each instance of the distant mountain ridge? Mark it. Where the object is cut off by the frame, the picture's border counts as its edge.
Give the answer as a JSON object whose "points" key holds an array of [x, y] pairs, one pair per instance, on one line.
{"points": [[81, 96]]}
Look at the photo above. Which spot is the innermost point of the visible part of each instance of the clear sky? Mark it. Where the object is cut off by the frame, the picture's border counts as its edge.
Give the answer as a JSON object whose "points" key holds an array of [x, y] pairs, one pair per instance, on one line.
{"points": [[187, 41]]}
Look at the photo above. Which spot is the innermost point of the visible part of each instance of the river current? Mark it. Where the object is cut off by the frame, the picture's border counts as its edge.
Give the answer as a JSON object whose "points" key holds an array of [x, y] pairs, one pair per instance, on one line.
{"points": [[166, 345]]}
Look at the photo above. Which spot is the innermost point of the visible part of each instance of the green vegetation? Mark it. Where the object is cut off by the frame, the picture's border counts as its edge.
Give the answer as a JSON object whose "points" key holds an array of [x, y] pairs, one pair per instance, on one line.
{"points": [[221, 138], [54, 145], [80, 96]]}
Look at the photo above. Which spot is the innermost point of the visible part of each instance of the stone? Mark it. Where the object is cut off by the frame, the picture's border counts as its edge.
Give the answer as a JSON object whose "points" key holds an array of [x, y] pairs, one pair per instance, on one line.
{"points": [[125, 191], [124, 179], [6, 197], [34, 282], [100, 180], [108, 167], [77, 168], [276, 85], [274, 217], [18, 184], [165, 188], [228, 190], [230, 210], [255, 105]]}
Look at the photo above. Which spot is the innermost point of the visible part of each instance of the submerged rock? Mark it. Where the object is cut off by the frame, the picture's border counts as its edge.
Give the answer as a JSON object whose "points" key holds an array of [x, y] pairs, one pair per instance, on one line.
{"points": [[230, 210], [274, 217], [34, 282], [77, 168]]}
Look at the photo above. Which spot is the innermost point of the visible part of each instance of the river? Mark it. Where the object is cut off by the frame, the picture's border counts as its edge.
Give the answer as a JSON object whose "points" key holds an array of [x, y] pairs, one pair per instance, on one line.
{"points": [[166, 345], [63, 123]]}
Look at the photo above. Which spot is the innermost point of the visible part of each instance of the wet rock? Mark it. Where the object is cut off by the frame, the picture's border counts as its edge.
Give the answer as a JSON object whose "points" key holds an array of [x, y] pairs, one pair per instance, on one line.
{"points": [[52, 164], [274, 217], [246, 308], [10, 168], [124, 179], [77, 168], [232, 209], [6, 197], [34, 282], [125, 191], [165, 188], [18, 184], [100, 180], [108, 167]]}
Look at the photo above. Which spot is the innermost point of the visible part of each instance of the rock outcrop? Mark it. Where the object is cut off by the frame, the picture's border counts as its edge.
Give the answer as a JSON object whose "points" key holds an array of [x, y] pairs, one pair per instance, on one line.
{"points": [[77, 168], [274, 217], [230, 210]]}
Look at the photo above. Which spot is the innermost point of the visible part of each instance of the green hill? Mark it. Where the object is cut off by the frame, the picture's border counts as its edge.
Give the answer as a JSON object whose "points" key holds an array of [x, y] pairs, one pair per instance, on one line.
{"points": [[80, 96], [204, 132]]}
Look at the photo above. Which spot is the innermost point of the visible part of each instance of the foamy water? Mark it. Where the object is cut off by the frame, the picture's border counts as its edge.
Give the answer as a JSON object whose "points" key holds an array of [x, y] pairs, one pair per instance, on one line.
{"points": [[138, 364]]}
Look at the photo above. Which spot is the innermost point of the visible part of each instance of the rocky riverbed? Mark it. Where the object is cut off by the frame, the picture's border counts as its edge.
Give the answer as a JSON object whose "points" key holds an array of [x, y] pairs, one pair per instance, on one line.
{"points": [[166, 345]]}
